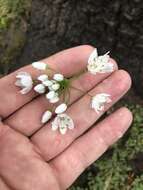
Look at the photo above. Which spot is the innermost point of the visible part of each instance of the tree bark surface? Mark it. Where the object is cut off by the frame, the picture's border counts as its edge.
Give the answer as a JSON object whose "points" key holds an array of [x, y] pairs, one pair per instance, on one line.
{"points": [[109, 25]]}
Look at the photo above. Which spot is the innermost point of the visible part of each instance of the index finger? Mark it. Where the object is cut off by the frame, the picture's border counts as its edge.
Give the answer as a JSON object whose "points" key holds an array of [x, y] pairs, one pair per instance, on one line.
{"points": [[67, 62]]}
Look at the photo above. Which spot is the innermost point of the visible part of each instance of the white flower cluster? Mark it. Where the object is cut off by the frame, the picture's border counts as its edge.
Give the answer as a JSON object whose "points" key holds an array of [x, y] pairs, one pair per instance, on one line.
{"points": [[50, 87], [53, 86]]}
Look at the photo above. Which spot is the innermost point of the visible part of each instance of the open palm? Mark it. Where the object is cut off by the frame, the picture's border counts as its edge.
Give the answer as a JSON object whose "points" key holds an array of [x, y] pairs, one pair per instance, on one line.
{"points": [[32, 156]]}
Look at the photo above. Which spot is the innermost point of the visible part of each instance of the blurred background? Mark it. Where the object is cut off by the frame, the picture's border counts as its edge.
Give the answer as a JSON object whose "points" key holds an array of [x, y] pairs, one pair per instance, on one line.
{"points": [[34, 29]]}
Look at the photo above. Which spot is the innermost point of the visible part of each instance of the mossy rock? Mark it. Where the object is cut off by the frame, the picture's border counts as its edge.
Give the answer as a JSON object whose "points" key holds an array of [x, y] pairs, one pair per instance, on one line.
{"points": [[13, 27]]}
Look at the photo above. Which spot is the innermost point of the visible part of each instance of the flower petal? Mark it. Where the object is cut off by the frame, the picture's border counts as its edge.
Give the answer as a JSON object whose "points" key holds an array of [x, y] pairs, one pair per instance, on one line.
{"points": [[39, 65], [46, 116], [58, 77], [61, 108], [55, 124], [25, 90], [40, 88], [43, 77], [71, 124], [93, 56], [55, 86], [18, 83], [54, 100], [50, 95], [47, 83], [63, 130]]}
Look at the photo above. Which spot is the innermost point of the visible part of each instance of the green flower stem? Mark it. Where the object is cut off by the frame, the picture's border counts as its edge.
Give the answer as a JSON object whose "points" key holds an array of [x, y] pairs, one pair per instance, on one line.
{"points": [[50, 71], [81, 91], [78, 74], [52, 109], [35, 81]]}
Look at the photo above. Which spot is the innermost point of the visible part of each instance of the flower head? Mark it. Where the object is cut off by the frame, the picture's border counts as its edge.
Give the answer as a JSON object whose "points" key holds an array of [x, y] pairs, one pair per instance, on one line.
{"points": [[99, 100], [24, 80], [62, 122], [99, 64]]}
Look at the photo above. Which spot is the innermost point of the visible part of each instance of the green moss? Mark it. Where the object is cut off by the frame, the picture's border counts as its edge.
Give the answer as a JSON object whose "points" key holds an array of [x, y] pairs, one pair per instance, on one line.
{"points": [[11, 10], [117, 168], [13, 27]]}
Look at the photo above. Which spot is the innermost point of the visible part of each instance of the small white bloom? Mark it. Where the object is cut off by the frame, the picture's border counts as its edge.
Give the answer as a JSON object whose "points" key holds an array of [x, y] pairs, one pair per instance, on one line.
{"points": [[55, 86], [99, 100], [99, 64], [24, 80], [58, 77], [54, 100], [39, 65], [40, 88], [48, 83], [62, 122], [43, 78], [61, 108], [46, 117], [50, 95]]}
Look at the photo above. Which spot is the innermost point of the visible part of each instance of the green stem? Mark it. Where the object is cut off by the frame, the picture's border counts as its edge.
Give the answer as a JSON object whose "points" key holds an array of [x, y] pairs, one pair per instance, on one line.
{"points": [[78, 75], [49, 68], [81, 91]]}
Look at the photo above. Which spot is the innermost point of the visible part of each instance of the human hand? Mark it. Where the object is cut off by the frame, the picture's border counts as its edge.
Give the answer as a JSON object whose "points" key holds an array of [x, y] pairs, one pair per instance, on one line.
{"points": [[32, 156]]}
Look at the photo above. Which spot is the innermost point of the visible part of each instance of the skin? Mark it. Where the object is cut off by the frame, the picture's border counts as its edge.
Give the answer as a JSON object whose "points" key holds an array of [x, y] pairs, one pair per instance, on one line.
{"points": [[32, 156]]}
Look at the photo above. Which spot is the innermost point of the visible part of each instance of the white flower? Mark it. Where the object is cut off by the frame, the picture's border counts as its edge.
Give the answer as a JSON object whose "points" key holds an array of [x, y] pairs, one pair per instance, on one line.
{"points": [[50, 95], [39, 65], [54, 100], [62, 122], [40, 88], [24, 81], [43, 78], [48, 83], [55, 86], [46, 116], [61, 108], [58, 77], [99, 100], [99, 64]]}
